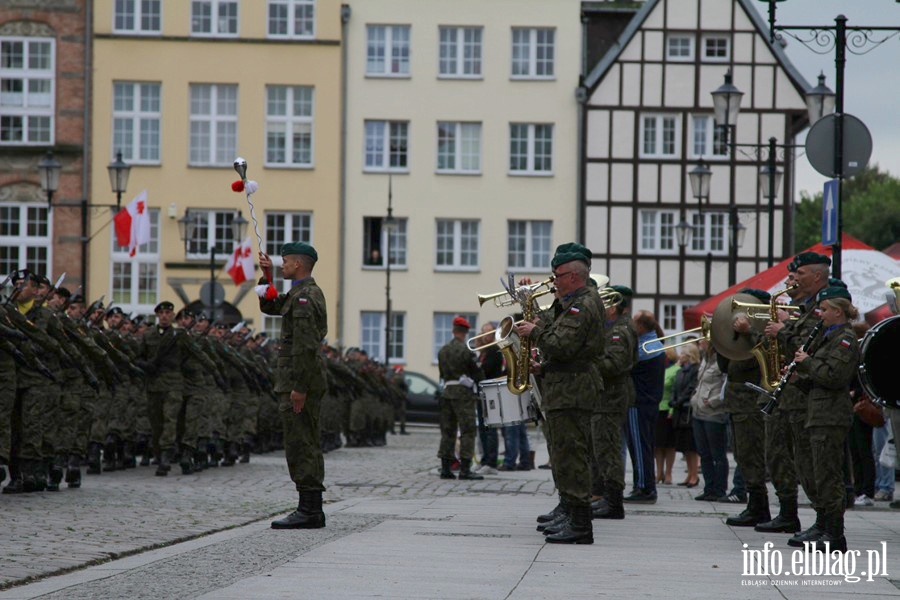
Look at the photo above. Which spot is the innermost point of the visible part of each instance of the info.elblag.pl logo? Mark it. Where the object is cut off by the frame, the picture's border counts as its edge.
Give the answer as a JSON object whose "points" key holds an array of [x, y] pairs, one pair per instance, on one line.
{"points": [[809, 563]]}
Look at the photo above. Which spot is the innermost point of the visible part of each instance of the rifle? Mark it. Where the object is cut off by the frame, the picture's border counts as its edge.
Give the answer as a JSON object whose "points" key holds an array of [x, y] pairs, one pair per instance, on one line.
{"points": [[775, 394]]}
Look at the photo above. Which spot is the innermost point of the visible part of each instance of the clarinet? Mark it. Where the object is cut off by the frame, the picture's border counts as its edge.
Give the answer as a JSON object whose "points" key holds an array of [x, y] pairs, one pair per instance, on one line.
{"points": [[775, 394]]}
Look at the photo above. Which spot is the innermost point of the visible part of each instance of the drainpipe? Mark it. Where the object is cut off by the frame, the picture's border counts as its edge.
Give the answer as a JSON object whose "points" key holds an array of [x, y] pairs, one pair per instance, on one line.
{"points": [[86, 143], [342, 217]]}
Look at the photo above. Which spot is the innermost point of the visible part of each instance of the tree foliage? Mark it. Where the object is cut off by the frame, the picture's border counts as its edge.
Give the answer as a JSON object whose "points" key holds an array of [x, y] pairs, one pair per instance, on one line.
{"points": [[871, 207]]}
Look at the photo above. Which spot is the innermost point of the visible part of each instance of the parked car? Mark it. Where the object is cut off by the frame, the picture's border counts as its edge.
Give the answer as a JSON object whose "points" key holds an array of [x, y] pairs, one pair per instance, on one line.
{"points": [[422, 401]]}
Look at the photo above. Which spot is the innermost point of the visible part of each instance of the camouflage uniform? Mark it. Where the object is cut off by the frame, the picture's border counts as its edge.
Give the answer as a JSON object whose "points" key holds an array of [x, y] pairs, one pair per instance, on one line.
{"points": [[458, 401], [8, 368], [162, 354]]}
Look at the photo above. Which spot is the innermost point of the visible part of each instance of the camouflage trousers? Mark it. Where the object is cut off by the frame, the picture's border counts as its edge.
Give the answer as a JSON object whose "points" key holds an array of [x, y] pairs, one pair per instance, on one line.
{"points": [[802, 453], [458, 413], [827, 444], [69, 415], [237, 401], [570, 454], [780, 455], [29, 414], [188, 426], [86, 418], [302, 447], [332, 413], [545, 429], [249, 423], [608, 469], [100, 415], [750, 448], [7, 403], [120, 421], [163, 407]]}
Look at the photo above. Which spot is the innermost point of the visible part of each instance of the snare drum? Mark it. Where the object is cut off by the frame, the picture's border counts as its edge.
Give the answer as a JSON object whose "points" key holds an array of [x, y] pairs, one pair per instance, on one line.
{"points": [[878, 366], [501, 408]]}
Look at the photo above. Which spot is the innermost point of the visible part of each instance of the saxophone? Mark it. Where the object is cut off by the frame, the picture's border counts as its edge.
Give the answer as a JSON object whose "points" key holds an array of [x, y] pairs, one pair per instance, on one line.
{"points": [[517, 352], [768, 351]]}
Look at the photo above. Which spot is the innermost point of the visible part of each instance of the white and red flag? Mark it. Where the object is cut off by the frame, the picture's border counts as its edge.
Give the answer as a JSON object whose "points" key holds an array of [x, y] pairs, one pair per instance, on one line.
{"points": [[240, 264], [133, 224]]}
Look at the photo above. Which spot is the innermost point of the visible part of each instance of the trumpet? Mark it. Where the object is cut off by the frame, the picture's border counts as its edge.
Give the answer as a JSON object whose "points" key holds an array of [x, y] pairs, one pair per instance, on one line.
{"points": [[610, 297], [705, 331], [763, 310], [510, 298]]}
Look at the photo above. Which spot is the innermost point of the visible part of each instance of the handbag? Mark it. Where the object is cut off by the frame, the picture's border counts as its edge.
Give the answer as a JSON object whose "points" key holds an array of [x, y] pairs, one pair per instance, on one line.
{"points": [[869, 413]]}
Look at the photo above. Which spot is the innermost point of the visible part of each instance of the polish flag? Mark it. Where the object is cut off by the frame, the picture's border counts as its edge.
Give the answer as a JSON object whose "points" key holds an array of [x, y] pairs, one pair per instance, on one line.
{"points": [[240, 264], [133, 224]]}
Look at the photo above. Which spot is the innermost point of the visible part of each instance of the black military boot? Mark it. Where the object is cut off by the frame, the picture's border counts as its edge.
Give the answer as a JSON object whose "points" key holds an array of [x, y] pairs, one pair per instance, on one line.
{"points": [[56, 472], [787, 520], [28, 483], [165, 463], [73, 472], [16, 483], [231, 454], [141, 446], [547, 517], [184, 461], [810, 534], [126, 454], [556, 525], [832, 537], [446, 473], [757, 512], [465, 470], [577, 530], [615, 507], [214, 448], [308, 515], [109, 454], [93, 459], [246, 445]]}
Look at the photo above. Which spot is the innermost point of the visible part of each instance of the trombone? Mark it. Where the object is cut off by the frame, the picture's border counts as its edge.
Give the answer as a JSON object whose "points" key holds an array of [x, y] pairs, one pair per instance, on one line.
{"points": [[763, 310], [610, 297], [705, 330]]}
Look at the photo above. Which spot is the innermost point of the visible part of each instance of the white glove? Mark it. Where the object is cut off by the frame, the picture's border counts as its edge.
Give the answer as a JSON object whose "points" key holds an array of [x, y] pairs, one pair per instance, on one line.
{"points": [[467, 381], [261, 290]]}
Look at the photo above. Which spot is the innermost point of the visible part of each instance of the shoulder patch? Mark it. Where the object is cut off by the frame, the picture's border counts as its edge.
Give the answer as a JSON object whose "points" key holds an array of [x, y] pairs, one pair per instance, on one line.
{"points": [[845, 343], [574, 310], [616, 338], [302, 300]]}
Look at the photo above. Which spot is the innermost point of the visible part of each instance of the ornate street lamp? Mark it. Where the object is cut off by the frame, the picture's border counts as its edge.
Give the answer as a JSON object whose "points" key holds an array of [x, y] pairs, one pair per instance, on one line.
{"points": [[49, 169], [118, 177], [819, 101]]}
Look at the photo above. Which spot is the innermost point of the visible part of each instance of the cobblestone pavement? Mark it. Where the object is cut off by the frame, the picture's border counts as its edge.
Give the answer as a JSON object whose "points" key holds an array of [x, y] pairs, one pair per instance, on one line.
{"points": [[120, 513]]}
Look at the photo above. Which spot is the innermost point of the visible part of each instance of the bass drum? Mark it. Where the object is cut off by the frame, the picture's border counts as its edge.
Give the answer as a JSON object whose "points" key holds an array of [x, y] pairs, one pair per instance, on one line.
{"points": [[879, 364]]}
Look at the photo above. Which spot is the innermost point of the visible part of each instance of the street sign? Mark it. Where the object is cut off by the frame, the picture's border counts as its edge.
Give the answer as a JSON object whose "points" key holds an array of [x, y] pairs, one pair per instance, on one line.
{"points": [[857, 146], [218, 294], [830, 201]]}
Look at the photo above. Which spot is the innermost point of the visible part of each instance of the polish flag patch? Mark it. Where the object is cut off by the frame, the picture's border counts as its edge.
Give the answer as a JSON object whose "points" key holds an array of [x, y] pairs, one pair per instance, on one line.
{"points": [[616, 338], [574, 310], [845, 343], [302, 300]]}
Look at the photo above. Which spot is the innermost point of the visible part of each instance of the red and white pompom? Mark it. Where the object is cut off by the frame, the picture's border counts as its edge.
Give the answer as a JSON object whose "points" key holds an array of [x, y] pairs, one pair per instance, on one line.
{"points": [[251, 187]]}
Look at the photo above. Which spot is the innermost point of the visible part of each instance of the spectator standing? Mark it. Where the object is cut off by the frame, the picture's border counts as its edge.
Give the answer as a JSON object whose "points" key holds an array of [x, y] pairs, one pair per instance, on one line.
{"points": [[664, 452], [710, 425], [491, 361], [884, 476], [682, 390]]}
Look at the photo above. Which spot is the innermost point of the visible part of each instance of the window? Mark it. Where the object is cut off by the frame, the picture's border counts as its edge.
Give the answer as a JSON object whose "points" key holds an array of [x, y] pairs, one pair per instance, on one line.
{"points": [[709, 233], [375, 241], [532, 53], [530, 149], [135, 279], [136, 118], [371, 334], [387, 50], [137, 16], [214, 17], [659, 136], [292, 18], [211, 228], [283, 227], [673, 316], [657, 234], [386, 146], [459, 52], [27, 75], [716, 48], [213, 124], [528, 244], [25, 238], [289, 126], [457, 245], [458, 147], [443, 330], [680, 47], [707, 140]]}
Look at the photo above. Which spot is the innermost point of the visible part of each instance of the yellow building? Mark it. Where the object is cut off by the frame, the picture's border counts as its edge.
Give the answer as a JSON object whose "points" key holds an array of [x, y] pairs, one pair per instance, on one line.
{"points": [[181, 89]]}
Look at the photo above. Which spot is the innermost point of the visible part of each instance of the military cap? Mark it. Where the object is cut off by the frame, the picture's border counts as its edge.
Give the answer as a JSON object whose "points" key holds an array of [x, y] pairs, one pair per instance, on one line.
{"points": [[184, 312], [40, 279], [221, 325], [792, 266], [569, 252], [115, 310], [834, 291], [835, 282], [19, 275], [138, 319], [626, 291], [761, 295], [299, 248], [77, 299], [63, 292], [461, 322], [811, 258], [201, 316], [164, 305]]}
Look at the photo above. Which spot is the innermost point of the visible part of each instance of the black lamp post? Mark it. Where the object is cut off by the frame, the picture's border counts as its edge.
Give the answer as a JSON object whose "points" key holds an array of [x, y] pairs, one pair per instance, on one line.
{"points": [[49, 169], [699, 177], [388, 225], [118, 177], [769, 181]]}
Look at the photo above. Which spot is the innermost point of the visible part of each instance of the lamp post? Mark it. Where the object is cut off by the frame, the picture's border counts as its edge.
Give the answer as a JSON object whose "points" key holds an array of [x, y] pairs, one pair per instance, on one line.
{"points": [[388, 226], [118, 177], [49, 169], [699, 177]]}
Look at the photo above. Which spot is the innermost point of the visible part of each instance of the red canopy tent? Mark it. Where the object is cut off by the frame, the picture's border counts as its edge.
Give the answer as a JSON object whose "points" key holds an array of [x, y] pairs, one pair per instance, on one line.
{"points": [[864, 270]]}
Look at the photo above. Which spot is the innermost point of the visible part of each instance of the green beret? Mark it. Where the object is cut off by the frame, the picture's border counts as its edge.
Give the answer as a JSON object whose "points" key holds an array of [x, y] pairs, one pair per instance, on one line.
{"points": [[626, 291], [761, 295], [792, 266], [834, 291], [835, 282], [299, 248], [164, 305], [569, 252], [811, 258]]}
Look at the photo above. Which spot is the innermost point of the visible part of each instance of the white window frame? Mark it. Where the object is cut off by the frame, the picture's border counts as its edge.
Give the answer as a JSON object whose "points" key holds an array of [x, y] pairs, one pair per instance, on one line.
{"points": [[205, 233], [660, 121], [713, 146], [702, 233], [398, 251], [146, 256], [23, 240], [705, 57], [26, 75], [536, 248], [442, 330], [677, 323], [215, 19], [135, 119], [531, 61], [137, 8], [456, 238], [375, 347], [454, 65], [652, 225], [388, 131], [460, 136], [392, 45], [531, 142], [292, 6], [297, 227], [216, 122], [671, 37], [291, 124]]}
